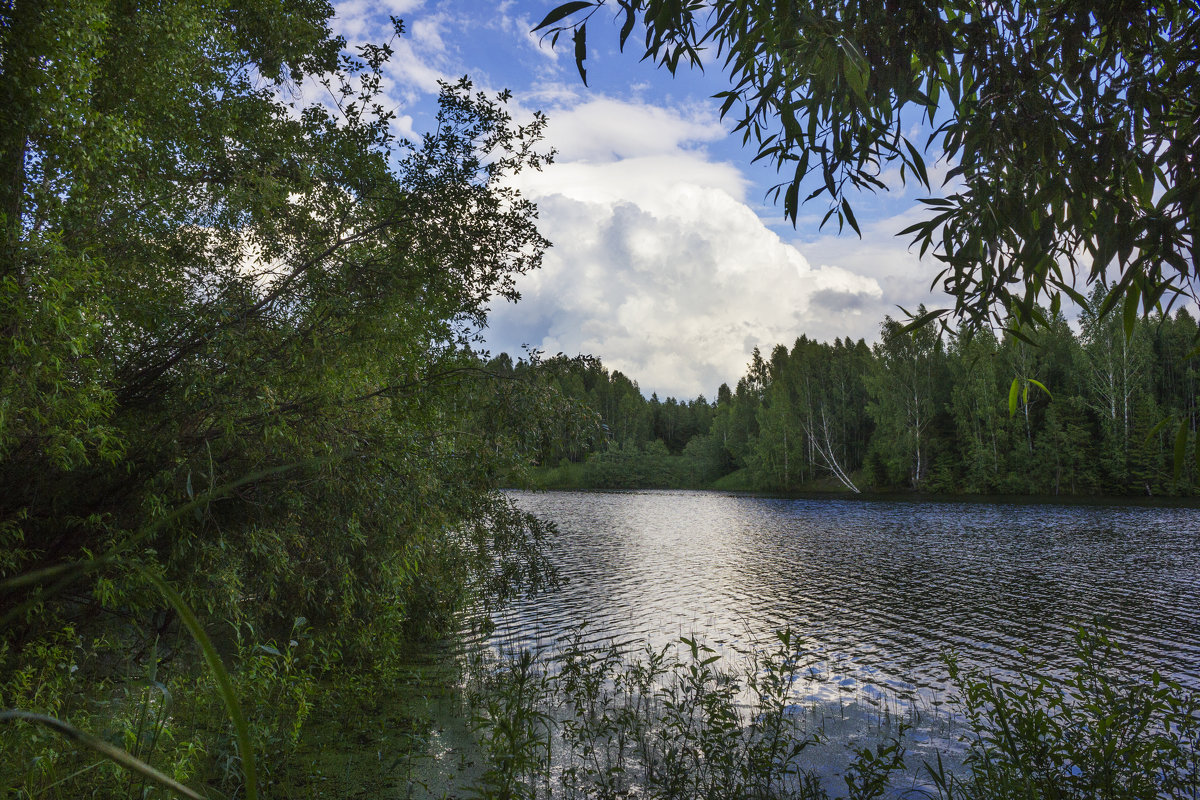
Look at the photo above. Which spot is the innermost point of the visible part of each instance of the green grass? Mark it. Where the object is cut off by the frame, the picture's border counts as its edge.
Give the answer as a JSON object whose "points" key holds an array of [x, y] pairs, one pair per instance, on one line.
{"points": [[736, 481], [567, 475]]}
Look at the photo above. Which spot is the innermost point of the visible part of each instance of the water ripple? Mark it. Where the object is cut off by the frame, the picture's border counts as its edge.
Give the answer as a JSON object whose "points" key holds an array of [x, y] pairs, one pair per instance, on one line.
{"points": [[887, 587]]}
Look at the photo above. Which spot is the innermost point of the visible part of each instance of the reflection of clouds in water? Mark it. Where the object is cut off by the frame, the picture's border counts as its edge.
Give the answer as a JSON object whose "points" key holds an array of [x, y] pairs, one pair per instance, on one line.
{"points": [[874, 592]]}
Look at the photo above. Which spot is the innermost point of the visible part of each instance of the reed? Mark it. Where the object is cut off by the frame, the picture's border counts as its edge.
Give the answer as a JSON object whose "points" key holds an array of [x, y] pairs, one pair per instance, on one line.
{"points": [[668, 723]]}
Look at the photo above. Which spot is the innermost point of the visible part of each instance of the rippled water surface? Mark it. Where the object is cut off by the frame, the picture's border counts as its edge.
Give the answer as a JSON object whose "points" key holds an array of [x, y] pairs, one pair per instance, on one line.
{"points": [[881, 588]]}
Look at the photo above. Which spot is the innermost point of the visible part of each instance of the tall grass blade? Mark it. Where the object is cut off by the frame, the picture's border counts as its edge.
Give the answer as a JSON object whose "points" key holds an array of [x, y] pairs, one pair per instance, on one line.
{"points": [[217, 668]]}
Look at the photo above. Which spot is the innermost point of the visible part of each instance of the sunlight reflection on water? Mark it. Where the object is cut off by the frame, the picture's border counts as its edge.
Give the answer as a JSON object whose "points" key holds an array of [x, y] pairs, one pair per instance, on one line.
{"points": [[880, 589]]}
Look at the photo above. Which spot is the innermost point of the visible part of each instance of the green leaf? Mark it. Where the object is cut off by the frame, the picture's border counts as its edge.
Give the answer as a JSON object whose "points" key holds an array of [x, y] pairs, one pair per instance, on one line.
{"points": [[1024, 337], [1158, 428], [580, 40], [1012, 397], [627, 28], [1131, 311], [114, 754], [850, 217], [561, 12], [1041, 386], [918, 163], [217, 669], [791, 200], [856, 79], [923, 319]]}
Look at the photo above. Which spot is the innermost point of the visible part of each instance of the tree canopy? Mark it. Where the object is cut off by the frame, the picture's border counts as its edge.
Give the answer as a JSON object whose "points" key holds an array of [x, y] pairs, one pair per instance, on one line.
{"points": [[236, 341], [918, 410], [1068, 130]]}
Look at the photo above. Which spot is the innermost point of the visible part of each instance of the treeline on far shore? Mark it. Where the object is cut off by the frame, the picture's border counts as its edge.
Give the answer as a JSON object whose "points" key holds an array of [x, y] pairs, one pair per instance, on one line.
{"points": [[1101, 409]]}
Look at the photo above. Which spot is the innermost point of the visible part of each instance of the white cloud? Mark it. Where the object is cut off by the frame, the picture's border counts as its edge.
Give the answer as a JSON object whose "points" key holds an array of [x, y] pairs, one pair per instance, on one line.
{"points": [[885, 258], [551, 94], [659, 266], [520, 27], [402, 126], [413, 68], [605, 129], [640, 180], [427, 32], [398, 7]]}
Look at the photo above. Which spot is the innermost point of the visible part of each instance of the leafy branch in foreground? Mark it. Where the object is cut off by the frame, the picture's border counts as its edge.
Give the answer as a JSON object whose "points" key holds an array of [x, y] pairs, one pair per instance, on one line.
{"points": [[236, 370], [1067, 133], [114, 754]]}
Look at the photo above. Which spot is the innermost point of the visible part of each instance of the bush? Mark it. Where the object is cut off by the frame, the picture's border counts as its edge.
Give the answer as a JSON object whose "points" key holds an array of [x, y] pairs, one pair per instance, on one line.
{"points": [[1096, 733]]}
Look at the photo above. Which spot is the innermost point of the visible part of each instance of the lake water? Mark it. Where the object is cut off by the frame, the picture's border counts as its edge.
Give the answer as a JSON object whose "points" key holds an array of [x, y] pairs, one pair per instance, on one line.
{"points": [[880, 589]]}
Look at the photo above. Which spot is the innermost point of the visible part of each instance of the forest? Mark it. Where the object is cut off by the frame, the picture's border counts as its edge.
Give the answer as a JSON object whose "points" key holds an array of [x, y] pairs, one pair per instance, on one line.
{"points": [[1082, 410], [251, 456]]}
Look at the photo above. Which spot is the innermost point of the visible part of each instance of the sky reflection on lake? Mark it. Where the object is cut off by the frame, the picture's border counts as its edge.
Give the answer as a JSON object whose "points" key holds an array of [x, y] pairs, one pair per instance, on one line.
{"points": [[880, 589]]}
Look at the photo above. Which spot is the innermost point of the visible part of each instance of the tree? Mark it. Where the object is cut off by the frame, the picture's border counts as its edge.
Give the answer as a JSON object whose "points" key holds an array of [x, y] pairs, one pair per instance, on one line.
{"points": [[1069, 130], [775, 452], [235, 344], [827, 383], [975, 406], [907, 393], [1117, 364], [1066, 462]]}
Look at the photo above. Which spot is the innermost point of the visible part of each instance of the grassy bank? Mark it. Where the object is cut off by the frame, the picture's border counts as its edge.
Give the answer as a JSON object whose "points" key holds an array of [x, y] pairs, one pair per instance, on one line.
{"points": [[661, 472]]}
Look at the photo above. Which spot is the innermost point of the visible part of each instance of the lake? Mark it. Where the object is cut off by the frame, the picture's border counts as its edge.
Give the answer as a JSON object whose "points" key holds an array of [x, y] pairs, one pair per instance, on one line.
{"points": [[880, 589]]}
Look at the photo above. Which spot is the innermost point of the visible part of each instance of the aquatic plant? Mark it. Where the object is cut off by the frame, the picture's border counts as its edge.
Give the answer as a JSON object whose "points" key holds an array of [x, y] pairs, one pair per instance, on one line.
{"points": [[1100, 732], [667, 723], [593, 722]]}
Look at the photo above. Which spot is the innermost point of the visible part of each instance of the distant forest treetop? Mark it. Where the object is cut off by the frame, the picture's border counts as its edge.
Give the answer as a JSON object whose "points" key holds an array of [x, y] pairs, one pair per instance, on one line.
{"points": [[1071, 414]]}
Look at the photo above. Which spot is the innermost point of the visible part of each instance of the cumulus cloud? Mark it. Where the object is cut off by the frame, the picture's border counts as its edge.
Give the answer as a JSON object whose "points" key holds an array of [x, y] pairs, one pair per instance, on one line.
{"points": [[885, 258], [659, 266], [606, 129], [662, 264]]}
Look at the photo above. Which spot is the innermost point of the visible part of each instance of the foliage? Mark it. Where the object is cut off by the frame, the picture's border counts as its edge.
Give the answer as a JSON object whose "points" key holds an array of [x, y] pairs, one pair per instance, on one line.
{"points": [[1069, 132], [236, 364], [1095, 733], [941, 414], [590, 721], [907, 389]]}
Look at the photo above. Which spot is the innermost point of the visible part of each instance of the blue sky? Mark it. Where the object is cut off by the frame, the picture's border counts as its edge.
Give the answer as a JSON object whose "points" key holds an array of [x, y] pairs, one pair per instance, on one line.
{"points": [[669, 263]]}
